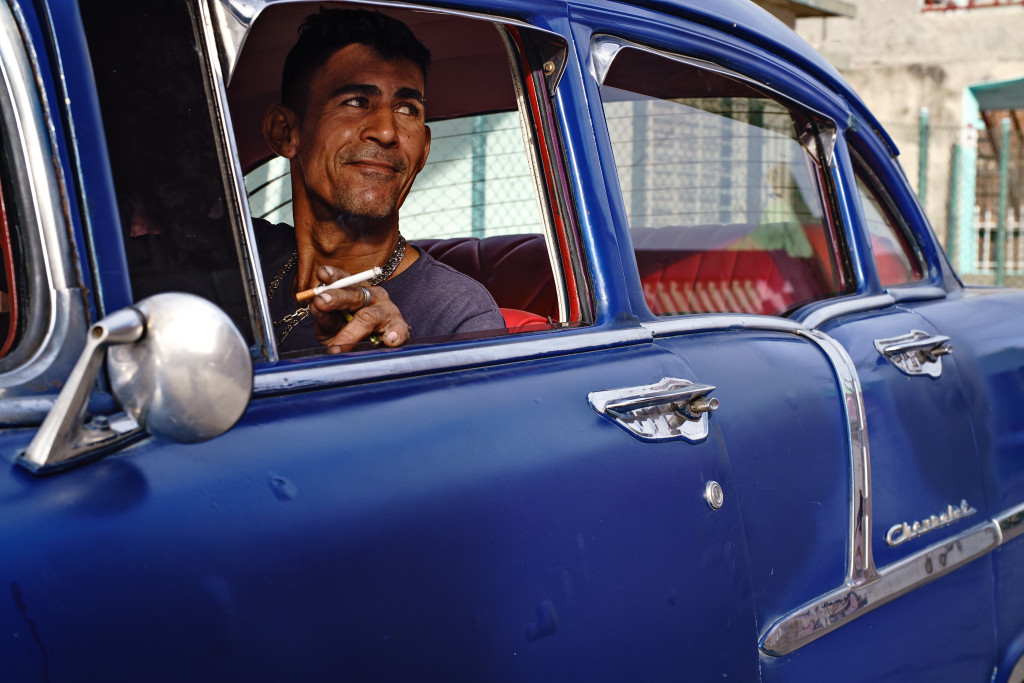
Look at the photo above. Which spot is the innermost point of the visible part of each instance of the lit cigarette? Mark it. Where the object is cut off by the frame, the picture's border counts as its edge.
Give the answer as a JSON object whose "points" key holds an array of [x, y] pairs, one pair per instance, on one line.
{"points": [[343, 282]]}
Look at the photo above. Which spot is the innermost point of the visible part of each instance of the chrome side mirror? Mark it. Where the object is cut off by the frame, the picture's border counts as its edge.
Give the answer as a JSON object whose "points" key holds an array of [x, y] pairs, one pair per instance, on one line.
{"points": [[178, 367]]}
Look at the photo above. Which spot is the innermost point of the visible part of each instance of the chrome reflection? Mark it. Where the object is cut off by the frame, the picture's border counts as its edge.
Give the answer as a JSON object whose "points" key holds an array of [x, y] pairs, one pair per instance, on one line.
{"points": [[189, 378], [670, 409], [916, 353], [177, 365], [835, 609], [860, 563]]}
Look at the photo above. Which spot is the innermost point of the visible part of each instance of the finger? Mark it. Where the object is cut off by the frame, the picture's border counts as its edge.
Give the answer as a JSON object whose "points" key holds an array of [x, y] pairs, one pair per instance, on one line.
{"points": [[340, 329], [360, 325], [344, 299], [329, 274]]}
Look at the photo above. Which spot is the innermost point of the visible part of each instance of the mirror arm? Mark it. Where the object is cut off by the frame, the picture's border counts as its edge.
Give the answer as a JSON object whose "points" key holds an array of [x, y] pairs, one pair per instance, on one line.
{"points": [[63, 438]]}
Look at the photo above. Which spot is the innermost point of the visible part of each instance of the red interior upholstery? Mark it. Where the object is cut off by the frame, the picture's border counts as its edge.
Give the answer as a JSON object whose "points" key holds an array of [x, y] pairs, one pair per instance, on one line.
{"points": [[685, 270]]}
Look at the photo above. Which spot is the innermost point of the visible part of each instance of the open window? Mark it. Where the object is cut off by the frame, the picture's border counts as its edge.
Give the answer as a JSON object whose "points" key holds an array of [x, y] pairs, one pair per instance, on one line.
{"points": [[490, 202], [723, 187]]}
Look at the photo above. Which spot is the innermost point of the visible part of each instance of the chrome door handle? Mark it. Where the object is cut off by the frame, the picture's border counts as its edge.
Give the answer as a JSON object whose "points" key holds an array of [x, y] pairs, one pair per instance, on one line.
{"points": [[671, 409], [916, 353]]}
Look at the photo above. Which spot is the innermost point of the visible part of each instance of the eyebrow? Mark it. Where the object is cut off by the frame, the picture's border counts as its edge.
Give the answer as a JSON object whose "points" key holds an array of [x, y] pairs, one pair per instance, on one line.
{"points": [[367, 90]]}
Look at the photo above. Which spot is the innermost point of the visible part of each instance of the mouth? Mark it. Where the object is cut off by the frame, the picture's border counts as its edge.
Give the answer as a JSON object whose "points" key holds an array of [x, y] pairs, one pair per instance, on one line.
{"points": [[375, 165]]}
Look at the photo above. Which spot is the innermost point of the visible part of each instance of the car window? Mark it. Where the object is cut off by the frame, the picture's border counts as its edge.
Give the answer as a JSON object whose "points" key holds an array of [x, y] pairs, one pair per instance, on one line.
{"points": [[482, 203], [723, 201], [164, 153], [895, 257]]}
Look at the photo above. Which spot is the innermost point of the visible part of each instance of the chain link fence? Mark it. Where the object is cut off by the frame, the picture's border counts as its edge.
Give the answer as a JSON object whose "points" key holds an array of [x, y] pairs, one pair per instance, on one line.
{"points": [[970, 185]]}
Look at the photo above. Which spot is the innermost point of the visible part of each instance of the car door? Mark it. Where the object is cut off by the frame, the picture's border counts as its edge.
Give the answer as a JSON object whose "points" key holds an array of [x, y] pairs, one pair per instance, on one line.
{"points": [[976, 332], [731, 192], [470, 510]]}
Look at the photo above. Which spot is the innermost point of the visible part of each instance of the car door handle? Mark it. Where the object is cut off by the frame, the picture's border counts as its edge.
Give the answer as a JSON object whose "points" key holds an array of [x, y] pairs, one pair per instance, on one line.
{"points": [[916, 353], [670, 409]]}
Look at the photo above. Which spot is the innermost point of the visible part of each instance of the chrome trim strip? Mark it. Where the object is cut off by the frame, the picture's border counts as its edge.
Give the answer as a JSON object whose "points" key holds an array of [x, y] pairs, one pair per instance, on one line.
{"points": [[263, 327], [717, 322], [860, 563], [918, 293], [57, 320], [438, 358], [1011, 523], [823, 314], [846, 603]]}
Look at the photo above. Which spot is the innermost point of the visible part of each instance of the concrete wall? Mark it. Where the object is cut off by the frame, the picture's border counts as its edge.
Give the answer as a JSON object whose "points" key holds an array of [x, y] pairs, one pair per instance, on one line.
{"points": [[900, 59]]}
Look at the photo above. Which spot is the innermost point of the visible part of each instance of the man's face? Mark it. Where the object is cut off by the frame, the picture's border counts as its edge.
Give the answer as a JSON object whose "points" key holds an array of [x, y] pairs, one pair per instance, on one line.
{"points": [[363, 138]]}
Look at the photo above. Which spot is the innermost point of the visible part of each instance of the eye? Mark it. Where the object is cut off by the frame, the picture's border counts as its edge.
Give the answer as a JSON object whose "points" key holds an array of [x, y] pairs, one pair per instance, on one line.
{"points": [[360, 102], [407, 108]]}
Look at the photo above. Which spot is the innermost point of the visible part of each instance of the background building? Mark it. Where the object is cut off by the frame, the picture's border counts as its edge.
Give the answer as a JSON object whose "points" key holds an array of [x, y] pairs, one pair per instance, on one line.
{"points": [[946, 79]]}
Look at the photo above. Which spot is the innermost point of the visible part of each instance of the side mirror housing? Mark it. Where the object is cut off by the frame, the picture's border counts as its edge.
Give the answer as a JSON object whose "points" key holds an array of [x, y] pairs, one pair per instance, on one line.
{"points": [[178, 367]]}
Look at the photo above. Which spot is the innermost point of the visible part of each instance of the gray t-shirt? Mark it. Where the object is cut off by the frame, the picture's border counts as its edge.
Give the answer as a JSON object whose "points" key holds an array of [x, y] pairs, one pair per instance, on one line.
{"points": [[435, 299]]}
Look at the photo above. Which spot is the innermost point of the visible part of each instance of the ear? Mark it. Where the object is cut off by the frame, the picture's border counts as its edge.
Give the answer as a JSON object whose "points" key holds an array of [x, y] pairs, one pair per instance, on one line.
{"points": [[281, 130]]}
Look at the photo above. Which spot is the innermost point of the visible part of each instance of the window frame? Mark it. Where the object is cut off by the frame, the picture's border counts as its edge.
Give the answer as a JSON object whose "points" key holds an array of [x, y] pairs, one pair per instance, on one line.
{"points": [[530, 49], [863, 172], [819, 141], [34, 370]]}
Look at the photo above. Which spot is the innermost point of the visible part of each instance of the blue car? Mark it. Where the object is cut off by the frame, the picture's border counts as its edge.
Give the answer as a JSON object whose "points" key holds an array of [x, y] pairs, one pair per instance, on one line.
{"points": [[743, 421]]}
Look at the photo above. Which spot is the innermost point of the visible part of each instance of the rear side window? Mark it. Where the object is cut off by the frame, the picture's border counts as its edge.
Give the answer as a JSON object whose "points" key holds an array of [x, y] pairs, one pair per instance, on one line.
{"points": [[722, 191], [895, 257]]}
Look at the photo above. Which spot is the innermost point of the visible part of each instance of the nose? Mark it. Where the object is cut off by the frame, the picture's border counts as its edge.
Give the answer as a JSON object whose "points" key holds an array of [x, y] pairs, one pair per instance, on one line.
{"points": [[380, 126]]}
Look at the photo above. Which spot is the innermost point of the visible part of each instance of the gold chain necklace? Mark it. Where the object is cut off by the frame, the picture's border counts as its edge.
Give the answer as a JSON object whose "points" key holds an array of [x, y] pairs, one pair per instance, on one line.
{"points": [[292, 319]]}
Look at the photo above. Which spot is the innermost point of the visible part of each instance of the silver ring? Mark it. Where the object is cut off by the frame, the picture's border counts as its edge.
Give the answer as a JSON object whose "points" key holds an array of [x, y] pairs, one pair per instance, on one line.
{"points": [[366, 296]]}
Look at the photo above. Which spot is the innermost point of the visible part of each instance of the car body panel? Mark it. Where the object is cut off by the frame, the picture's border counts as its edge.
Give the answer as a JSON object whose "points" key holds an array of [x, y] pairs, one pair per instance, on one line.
{"points": [[462, 511]]}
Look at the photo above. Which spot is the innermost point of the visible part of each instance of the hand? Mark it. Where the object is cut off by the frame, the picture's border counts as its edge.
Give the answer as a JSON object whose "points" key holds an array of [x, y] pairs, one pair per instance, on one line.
{"points": [[341, 321]]}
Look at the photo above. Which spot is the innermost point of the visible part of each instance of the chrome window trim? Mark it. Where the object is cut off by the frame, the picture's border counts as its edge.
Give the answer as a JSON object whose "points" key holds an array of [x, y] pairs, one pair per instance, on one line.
{"points": [[432, 358], [914, 292], [529, 133], [716, 322], [828, 311], [263, 327], [59, 316]]}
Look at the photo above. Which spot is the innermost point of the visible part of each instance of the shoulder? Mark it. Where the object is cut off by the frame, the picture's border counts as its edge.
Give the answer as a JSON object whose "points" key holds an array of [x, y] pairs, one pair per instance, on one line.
{"points": [[428, 268], [436, 299]]}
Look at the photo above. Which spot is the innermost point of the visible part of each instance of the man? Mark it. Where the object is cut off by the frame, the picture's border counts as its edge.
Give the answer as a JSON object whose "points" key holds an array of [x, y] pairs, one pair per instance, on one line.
{"points": [[351, 121]]}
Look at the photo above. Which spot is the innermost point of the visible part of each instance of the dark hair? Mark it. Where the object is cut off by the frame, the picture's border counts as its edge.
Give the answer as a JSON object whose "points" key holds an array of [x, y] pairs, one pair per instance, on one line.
{"points": [[330, 30]]}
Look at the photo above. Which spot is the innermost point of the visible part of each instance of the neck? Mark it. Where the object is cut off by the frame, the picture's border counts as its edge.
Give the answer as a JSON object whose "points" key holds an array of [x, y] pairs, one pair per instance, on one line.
{"points": [[351, 245]]}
